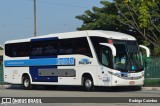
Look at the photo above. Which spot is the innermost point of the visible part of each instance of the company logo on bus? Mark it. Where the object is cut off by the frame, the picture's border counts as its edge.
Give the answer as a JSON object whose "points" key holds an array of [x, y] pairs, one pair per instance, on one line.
{"points": [[84, 61]]}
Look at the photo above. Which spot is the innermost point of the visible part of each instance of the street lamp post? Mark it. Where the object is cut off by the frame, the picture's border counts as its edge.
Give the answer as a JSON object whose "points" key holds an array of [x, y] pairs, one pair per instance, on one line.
{"points": [[35, 32]]}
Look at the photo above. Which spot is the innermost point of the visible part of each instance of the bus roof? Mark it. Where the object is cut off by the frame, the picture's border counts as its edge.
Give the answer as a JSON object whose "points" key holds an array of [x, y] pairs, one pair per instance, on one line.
{"points": [[98, 33]]}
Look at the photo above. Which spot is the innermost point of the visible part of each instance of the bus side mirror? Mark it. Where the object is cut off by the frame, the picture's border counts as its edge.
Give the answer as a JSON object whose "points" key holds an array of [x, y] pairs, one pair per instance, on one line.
{"points": [[110, 46], [147, 50]]}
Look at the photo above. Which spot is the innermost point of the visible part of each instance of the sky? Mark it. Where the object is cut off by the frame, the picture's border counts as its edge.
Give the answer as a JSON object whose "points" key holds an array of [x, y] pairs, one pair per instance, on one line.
{"points": [[53, 16]]}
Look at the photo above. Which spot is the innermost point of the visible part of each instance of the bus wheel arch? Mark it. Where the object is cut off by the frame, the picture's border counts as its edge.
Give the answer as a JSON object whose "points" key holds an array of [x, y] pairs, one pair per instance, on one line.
{"points": [[26, 81], [87, 82]]}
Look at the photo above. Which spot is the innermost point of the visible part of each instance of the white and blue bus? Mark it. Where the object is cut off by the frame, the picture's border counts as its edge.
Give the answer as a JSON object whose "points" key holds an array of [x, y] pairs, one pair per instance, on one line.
{"points": [[88, 58]]}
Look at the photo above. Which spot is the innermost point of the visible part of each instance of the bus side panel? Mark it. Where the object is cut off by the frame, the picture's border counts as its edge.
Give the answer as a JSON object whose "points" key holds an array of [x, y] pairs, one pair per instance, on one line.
{"points": [[14, 74], [70, 80], [34, 70], [92, 70], [35, 74], [80, 69], [104, 79], [8, 74]]}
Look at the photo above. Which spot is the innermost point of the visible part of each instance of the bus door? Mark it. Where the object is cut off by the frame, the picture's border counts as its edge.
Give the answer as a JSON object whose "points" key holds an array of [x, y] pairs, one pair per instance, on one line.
{"points": [[107, 51]]}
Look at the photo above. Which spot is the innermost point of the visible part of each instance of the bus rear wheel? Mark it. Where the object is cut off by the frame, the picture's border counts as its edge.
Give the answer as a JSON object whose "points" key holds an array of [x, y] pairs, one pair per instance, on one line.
{"points": [[26, 82], [88, 84]]}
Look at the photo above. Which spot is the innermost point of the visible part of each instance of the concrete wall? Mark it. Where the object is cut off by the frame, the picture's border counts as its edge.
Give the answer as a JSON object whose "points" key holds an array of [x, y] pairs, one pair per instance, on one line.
{"points": [[1, 52]]}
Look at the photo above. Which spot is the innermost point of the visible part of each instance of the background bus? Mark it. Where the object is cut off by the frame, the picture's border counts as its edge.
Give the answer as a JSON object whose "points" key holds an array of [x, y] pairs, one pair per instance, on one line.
{"points": [[87, 58]]}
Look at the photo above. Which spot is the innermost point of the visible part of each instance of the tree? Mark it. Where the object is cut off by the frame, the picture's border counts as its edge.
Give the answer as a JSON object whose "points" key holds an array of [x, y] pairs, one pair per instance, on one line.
{"points": [[106, 18], [140, 18], [101, 18], [143, 16]]}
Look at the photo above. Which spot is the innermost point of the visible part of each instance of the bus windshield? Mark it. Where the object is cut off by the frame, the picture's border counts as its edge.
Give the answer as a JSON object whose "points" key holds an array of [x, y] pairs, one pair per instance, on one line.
{"points": [[128, 58]]}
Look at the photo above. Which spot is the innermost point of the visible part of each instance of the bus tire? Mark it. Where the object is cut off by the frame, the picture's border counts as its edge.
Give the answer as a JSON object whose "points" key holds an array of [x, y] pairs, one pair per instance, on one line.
{"points": [[26, 83], [88, 83]]}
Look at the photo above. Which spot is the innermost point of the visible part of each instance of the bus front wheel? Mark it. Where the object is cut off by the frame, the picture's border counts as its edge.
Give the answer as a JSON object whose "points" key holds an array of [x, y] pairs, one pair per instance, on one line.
{"points": [[26, 82], [88, 84]]}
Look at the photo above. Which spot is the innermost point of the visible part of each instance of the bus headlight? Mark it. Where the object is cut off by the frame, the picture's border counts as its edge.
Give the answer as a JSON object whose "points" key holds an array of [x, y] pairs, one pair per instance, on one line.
{"points": [[116, 74]]}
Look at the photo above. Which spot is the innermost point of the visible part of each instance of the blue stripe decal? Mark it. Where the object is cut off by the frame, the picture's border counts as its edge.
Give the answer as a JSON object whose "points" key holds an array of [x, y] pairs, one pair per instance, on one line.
{"points": [[50, 62], [41, 62], [33, 70]]}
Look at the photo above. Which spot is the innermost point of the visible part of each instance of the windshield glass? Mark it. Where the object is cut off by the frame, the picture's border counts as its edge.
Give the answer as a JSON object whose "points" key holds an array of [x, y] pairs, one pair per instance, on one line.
{"points": [[128, 57]]}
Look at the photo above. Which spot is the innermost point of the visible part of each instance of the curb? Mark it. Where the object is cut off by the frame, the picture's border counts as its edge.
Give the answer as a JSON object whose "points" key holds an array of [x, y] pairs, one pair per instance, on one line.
{"points": [[10, 86], [150, 88]]}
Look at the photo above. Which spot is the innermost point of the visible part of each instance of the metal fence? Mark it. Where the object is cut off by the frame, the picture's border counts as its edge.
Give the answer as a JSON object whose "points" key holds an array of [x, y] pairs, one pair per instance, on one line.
{"points": [[152, 68], [1, 73]]}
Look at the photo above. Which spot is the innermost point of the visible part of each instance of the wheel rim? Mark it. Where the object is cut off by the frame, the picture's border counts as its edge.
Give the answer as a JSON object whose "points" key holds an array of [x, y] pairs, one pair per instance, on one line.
{"points": [[26, 83], [88, 83]]}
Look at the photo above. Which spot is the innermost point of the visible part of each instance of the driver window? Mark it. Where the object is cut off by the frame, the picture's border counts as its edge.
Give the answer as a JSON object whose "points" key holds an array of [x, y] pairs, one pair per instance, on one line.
{"points": [[105, 56]]}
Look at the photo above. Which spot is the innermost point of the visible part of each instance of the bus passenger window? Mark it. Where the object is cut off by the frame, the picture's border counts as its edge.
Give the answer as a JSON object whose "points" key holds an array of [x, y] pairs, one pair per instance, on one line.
{"points": [[37, 49], [50, 48], [82, 47]]}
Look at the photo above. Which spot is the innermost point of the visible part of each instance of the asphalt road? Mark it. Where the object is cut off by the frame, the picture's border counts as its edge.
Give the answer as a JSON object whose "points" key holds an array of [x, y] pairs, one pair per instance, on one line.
{"points": [[78, 92]]}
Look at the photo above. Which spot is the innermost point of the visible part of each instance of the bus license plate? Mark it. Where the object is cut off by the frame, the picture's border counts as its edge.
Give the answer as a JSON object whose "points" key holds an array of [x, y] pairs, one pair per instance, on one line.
{"points": [[131, 82]]}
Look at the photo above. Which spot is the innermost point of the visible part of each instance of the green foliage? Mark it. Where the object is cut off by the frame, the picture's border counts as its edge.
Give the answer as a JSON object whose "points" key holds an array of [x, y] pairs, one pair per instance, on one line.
{"points": [[101, 18], [157, 52], [144, 16], [139, 18]]}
